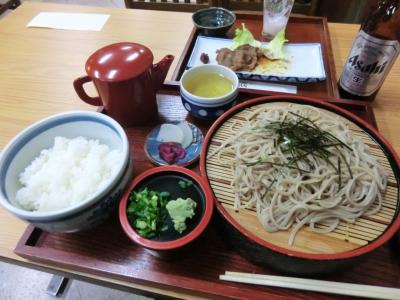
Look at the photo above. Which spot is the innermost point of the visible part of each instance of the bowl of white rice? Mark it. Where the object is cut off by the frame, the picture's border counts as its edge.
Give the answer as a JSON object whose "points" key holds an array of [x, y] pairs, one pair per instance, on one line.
{"points": [[66, 172]]}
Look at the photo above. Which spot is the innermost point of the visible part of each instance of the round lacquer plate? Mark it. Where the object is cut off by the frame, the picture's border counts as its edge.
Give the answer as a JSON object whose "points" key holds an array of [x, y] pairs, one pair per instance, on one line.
{"points": [[347, 240]]}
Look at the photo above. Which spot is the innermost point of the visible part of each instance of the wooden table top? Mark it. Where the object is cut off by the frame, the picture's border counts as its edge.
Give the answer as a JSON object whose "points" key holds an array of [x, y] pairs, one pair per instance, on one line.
{"points": [[37, 67]]}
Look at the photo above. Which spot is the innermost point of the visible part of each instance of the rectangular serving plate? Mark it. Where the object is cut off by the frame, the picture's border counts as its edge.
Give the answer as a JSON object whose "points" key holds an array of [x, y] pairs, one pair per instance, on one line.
{"points": [[300, 30], [304, 61]]}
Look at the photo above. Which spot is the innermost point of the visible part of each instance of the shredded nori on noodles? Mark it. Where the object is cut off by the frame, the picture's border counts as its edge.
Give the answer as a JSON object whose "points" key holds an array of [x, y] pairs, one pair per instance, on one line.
{"points": [[301, 138]]}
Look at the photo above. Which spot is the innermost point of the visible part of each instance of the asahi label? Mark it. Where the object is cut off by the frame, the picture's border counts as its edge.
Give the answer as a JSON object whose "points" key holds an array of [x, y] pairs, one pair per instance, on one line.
{"points": [[369, 61]]}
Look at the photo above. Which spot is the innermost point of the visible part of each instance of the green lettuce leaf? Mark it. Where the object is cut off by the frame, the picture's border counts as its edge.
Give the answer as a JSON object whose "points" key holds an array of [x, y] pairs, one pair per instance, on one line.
{"points": [[274, 50], [244, 37]]}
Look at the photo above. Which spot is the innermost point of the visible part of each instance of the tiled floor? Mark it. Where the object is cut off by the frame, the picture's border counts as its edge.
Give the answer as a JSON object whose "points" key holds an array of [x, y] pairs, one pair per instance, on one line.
{"points": [[18, 283]]}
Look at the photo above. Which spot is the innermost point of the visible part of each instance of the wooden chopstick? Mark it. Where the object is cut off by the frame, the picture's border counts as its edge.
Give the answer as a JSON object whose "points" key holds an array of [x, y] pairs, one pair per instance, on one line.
{"points": [[340, 288]]}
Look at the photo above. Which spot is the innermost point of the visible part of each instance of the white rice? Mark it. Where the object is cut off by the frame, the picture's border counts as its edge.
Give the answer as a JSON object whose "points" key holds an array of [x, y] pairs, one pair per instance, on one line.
{"points": [[66, 174]]}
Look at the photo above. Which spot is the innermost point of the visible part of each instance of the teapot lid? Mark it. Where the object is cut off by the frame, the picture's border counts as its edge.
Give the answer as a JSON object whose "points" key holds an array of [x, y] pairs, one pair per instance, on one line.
{"points": [[118, 62]]}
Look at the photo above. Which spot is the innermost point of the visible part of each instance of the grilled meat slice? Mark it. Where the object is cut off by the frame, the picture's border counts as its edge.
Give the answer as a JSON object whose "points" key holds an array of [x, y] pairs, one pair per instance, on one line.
{"points": [[243, 58]]}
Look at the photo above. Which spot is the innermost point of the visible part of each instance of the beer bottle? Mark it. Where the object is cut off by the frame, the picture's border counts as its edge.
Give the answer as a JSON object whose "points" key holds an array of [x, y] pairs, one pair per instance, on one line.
{"points": [[373, 53]]}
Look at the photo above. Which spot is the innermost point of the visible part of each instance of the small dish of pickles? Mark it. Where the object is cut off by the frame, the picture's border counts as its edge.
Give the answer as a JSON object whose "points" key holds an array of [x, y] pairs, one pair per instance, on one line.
{"points": [[166, 208]]}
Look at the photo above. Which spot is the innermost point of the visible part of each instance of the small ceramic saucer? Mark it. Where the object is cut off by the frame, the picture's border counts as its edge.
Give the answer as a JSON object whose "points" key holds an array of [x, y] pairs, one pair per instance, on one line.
{"points": [[151, 147]]}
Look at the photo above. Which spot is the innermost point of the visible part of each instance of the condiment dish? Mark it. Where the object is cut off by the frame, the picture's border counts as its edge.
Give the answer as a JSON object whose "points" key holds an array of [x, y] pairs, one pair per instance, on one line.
{"points": [[167, 179]]}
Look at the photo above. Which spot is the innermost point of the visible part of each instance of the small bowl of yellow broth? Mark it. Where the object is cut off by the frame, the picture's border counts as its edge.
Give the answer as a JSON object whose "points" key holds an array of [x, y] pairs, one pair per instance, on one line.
{"points": [[207, 91]]}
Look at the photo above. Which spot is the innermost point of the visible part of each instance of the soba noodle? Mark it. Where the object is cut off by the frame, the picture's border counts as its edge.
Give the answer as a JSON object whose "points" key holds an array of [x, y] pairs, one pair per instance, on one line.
{"points": [[292, 190]]}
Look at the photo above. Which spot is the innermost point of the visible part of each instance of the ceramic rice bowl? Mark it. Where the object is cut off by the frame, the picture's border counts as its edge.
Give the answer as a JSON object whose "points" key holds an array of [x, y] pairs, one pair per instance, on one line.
{"points": [[26, 146]]}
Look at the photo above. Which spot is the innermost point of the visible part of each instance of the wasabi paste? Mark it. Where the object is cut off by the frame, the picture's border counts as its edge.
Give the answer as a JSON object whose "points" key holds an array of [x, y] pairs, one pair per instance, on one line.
{"points": [[179, 210]]}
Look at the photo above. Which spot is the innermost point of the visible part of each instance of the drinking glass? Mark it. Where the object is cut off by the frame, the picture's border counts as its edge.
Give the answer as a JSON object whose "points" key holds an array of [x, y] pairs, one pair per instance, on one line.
{"points": [[276, 14]]}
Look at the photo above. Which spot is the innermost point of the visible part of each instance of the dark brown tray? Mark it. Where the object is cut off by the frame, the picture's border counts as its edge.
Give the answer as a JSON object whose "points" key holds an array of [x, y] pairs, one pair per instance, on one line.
{"points": [[106, 251], [299, 30]]}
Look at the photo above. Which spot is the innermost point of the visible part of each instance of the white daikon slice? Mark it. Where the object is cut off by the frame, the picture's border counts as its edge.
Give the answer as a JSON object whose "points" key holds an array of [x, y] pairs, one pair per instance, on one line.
{"points": [[170, 133], [187, 134]]}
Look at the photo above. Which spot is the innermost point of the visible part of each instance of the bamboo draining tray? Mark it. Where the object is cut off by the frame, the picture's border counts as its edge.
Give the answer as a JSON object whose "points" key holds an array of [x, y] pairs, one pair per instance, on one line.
{"points": [[105, 251], [344, 238]]}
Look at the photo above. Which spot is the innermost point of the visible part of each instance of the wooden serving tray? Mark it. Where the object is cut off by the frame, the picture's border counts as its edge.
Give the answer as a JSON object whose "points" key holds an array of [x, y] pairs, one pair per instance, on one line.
{"points": [[106, 251], [299, 30]]}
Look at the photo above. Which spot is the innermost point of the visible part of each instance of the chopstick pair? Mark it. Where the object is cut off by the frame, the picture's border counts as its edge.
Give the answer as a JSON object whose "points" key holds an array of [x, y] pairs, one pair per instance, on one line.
{"points": [[340, 288]]}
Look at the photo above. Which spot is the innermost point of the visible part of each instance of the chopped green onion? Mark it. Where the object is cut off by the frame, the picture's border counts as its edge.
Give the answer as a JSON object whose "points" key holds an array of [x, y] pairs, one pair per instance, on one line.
{"points": [[185, 183], [147, 213]]}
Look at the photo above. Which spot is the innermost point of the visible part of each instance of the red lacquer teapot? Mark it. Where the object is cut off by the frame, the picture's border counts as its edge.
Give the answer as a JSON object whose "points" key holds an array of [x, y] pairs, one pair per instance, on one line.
{"points": [[126, 80]]}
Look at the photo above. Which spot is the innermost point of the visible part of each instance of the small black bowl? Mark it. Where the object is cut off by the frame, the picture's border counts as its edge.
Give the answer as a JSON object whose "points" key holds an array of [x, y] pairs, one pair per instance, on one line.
{"points": [[166, 179], [213, 21]]}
